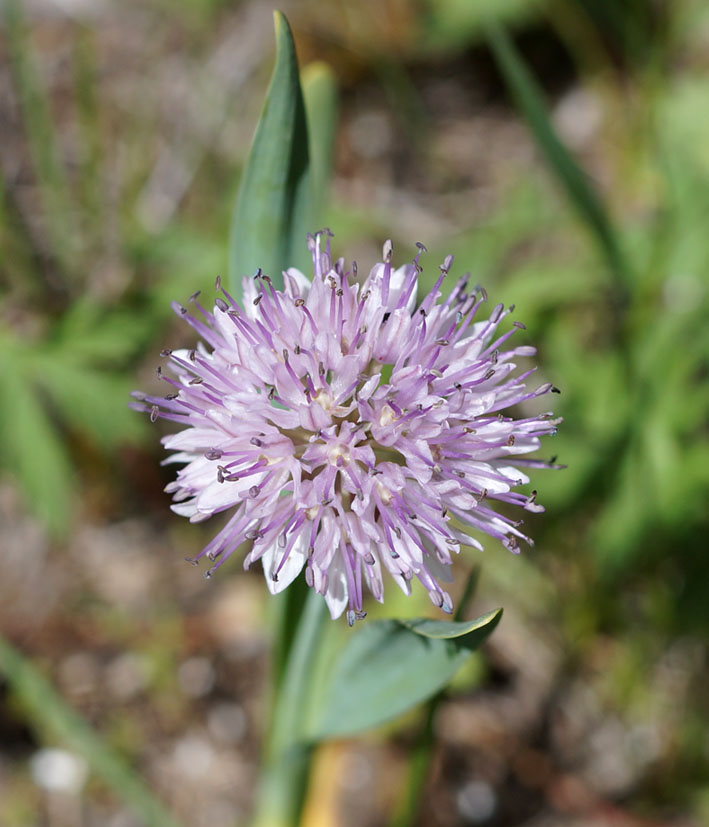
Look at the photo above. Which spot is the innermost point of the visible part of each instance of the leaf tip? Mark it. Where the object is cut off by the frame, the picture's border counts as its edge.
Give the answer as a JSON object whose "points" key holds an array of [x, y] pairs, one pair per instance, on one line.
{"points": [[317, 71], [279, 20]]}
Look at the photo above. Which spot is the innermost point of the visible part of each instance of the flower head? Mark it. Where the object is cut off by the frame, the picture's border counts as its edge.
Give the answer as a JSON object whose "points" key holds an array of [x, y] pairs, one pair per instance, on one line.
{"points": [[349, 430]]}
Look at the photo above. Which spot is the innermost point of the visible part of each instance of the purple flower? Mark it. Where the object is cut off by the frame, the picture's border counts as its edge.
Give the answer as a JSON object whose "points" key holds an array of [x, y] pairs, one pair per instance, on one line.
{"points": [[349, 430]]}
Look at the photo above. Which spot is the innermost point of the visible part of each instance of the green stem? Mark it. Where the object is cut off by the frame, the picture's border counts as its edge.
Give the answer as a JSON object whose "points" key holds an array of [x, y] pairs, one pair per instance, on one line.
{"points": [[287, 757], [409, 805]]}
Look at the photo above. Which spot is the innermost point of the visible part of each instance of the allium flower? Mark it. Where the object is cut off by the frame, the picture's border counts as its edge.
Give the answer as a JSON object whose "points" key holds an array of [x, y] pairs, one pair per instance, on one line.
{"points": [[349, 430]]}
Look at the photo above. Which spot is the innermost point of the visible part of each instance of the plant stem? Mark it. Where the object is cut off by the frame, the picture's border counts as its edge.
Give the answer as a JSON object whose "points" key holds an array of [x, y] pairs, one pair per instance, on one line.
{"points": [[409, 805], [287, 758]]}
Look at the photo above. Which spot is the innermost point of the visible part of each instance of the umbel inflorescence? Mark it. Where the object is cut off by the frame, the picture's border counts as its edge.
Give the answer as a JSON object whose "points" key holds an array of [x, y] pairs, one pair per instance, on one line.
{"points": [[350, 429]]}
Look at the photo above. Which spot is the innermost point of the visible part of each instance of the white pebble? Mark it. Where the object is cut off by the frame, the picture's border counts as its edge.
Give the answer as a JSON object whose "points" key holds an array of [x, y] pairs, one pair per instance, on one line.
{"points": [[57, 770]]}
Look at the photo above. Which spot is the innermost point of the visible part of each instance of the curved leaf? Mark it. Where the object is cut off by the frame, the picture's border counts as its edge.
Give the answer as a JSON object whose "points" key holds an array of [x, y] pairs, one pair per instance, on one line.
{"points": [[389, 666], [579, 189]]}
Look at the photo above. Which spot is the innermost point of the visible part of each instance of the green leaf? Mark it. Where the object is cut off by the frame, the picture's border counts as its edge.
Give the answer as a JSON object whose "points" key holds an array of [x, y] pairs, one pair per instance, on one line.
{"points": [[50, 716], [570, 176], [388, 666], [274, 205], [91, 400], [320, 93], [33, 449]]}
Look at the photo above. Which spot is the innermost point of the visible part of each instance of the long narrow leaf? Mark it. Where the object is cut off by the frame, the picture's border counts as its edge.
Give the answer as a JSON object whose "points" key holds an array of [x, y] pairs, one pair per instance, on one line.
{"points": [[570, 176], [49, 715], [33, 450], [274, 203], [320, 92]]}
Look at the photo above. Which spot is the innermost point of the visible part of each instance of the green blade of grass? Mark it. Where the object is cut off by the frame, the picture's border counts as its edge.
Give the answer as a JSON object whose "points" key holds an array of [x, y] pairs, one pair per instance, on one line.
{"points": [[88, 122], [49, 715], [570, 176], [37, 122]]}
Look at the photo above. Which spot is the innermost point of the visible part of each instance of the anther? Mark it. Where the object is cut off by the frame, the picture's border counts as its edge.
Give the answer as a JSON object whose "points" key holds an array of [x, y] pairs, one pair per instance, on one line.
{"points": [[511, 440], [196, 381], [256, 441], [214, 453], [511, 543], [254, 491], [154, 413], [166, 352], [258, 298], [299, 302], [221, 304]]}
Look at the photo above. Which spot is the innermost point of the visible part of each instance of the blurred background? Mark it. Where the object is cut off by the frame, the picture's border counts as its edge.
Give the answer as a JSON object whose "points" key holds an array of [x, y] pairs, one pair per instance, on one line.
{"points": [[123, 129]]}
